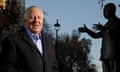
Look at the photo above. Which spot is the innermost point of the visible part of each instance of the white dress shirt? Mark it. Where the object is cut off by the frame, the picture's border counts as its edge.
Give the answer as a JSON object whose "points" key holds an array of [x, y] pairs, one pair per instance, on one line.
{"points": [[37, 40]]}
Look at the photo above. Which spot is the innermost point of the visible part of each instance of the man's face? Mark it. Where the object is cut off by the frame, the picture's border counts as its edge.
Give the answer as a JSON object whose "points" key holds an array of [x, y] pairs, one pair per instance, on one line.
{"points": [[34, 20]]}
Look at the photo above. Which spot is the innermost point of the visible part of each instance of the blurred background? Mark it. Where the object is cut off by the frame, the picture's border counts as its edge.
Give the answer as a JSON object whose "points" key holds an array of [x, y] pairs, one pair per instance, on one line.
{"points": [[76, 52]]}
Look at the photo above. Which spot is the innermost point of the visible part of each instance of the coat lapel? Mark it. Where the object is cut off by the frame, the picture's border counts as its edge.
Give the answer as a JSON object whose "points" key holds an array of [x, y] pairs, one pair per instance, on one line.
{"points": [[28, 40], [46, 46]]}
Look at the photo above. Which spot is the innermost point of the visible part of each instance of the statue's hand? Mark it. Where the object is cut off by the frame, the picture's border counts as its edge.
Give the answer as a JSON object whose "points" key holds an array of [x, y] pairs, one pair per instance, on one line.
{"points": [[98, 26], [82, 29]]}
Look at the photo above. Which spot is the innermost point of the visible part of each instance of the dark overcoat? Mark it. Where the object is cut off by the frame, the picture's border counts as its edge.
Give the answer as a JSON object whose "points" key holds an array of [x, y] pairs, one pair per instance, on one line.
{"points": [[20, 54]]}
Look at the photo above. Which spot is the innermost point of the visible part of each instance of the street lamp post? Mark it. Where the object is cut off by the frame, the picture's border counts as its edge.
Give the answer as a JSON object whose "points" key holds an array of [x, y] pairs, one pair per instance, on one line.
{"points": [[57, 28]]}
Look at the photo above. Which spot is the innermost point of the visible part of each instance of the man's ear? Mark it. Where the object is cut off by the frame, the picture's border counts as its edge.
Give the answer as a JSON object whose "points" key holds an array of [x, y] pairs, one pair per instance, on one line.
{"points": [[24, 21]]}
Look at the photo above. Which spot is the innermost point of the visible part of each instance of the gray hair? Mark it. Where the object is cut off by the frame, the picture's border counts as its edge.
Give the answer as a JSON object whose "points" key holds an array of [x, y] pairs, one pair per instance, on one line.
{"points": [[29, 8]]}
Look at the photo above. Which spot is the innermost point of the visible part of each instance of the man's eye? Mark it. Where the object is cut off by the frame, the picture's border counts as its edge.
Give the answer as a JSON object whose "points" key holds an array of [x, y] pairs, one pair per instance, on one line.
{"points": [[39, 17], [31, 17]]}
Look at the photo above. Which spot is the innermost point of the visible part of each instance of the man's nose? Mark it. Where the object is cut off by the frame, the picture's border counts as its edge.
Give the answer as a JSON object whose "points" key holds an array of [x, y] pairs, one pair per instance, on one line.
{"points": [[35, 19]]}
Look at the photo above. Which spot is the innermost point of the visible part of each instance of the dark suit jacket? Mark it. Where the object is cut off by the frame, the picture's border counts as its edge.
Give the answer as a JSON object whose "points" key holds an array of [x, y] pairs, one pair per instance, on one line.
{"points": [[20, 54]]}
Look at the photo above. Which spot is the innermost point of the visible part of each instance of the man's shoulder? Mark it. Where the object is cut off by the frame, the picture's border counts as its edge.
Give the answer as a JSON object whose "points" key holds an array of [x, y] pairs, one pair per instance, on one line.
{"points": [[16, 34]]}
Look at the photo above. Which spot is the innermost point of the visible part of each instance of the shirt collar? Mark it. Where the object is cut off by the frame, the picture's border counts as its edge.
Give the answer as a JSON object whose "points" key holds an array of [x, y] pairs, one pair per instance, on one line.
{"points": [[32, 35]]}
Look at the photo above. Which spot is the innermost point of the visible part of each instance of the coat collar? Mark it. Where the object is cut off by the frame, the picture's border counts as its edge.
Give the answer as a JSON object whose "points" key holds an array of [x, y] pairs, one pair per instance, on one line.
{"points": [[27, 39]]}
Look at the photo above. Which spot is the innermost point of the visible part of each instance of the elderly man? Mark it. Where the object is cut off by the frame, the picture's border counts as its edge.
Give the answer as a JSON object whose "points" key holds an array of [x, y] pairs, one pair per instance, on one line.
{"points": [[29, 50]]}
